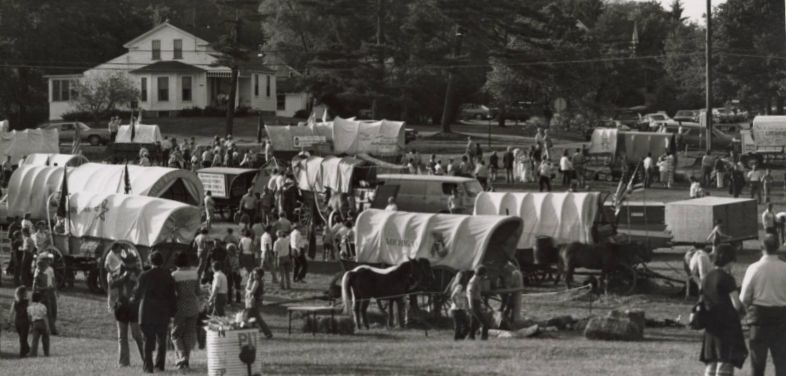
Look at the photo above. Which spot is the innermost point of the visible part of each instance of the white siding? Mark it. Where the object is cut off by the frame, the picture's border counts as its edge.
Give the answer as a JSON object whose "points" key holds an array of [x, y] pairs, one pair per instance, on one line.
{"points": [[294, 102], [262, 102]]}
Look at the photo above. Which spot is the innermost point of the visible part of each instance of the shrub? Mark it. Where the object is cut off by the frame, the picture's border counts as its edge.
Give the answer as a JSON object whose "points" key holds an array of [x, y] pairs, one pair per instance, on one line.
{"points": [[302, 114], [190, 112], [242, 111]]}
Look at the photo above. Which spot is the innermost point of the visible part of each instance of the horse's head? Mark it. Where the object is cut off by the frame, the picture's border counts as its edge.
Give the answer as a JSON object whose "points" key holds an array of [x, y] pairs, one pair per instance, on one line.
{"points": [[419, 273]]}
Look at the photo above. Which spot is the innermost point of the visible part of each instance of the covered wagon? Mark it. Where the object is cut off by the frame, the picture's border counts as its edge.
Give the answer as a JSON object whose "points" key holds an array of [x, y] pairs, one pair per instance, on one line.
{"points": [[30, 186], [131, 138], [96, 221], [227, 185], [18, 144]]}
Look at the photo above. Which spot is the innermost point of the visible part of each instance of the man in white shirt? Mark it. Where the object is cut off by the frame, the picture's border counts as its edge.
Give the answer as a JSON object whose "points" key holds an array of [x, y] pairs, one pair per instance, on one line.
{"points": [[451, 168], [272, 184], [764, 295], [219, 289], [695, 188], [544, 170], [391, 204], [648, 170], [267, 255], [768, 220], [298, 245]]}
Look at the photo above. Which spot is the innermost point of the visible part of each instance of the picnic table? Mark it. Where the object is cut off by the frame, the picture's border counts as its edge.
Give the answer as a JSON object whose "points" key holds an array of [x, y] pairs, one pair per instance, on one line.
{"points": [[314, 311]]}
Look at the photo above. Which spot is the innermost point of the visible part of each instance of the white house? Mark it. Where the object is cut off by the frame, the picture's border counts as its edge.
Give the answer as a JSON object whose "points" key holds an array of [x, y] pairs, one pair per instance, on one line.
{"points": [[174, 70], [289, 98]]}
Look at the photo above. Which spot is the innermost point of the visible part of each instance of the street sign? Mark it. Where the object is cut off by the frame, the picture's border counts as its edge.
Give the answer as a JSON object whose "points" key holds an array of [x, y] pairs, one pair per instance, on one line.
{"points": [[307, 141], [560, 104]]}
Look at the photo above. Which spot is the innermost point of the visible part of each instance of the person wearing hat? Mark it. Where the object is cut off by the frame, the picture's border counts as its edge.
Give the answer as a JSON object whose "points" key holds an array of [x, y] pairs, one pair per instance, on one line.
{"points": [[157, 300], [41, 237], [121, 282], [44, 282], [475, 298]]}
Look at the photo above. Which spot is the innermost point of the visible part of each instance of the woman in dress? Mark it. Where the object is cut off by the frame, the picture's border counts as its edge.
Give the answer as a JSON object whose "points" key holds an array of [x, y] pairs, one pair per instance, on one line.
{"points": [[723, 348]]}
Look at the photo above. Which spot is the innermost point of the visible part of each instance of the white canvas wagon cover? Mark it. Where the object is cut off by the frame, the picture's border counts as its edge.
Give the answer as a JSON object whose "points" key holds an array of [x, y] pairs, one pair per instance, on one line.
{"points": [[393, 237], [52, 159], [143, 134], [31, 185], [348, 136], [17, 144], [144, 221], [566, 217], [317, 173]]}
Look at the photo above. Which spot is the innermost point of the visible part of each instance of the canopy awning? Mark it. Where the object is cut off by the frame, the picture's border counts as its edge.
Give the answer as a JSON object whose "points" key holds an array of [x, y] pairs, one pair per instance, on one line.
{"points": [[565, 217], [393, 237], [143, 134], [140, 220], [53, 159]]}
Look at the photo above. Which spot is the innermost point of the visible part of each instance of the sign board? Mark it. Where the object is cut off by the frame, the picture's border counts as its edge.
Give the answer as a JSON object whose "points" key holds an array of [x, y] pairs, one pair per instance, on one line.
{"points": [[385, 145], [216, 184], [769, 133], [307, 141], [560, 104]]}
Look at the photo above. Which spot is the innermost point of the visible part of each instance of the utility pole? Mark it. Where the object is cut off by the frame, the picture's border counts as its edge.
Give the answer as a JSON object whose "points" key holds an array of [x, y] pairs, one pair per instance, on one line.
{"points": [[447, 117], [708, 76]]}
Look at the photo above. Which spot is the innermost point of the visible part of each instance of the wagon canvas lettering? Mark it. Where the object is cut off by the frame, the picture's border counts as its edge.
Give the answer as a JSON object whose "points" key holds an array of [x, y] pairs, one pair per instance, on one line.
{"points": [[769, 134], [215, 183], [398, 242]]}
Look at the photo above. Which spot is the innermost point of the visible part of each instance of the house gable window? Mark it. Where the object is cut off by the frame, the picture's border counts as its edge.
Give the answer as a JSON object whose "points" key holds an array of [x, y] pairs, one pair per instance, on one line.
{"points": [[62, 91], [256, 85], [163, 89], [156, 49], [267, 86], [143, 89], [281, 102], [178, 48], [185, 89]]}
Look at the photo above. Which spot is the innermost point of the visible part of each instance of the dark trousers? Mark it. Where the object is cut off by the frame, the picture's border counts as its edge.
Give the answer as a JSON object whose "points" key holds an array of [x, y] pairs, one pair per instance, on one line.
{"points": [[40, 330], [706, 176], [18, 256], [567, 175], [509, 174], [256, 314], [155, 336], [771, 230], [301, 267], [478, 320], [252, 215], [544, 181], [50, 301], [203, 264], [460, 324], [23, 330], [24, 269], [233, 282], [770, 338]]}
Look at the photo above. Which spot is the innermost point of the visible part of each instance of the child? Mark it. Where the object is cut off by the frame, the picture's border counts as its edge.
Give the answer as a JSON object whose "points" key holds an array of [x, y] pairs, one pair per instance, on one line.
{"points": [[39, 324], [218, 292], [459, 306], [18, 316], [255, 290]]}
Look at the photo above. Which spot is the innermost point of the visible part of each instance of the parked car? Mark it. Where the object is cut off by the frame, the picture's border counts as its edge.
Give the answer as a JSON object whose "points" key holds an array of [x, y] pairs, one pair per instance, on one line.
{"points": [[475, 111], [654, 121], [67, 129], [687, 115], [694, 136], [630, 119]]}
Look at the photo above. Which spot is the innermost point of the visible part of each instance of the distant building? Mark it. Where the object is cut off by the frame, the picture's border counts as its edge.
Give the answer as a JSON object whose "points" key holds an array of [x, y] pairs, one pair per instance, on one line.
{"points": [[173, 69], [289, 97]]}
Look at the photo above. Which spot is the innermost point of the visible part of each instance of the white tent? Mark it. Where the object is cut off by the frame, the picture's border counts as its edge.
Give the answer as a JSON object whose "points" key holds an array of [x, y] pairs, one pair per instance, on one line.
{"points": [[317, 173], [31, 185], [566, 217], [18, 144], [144, 221], [52, 159], [393, 237], [143, 134]]}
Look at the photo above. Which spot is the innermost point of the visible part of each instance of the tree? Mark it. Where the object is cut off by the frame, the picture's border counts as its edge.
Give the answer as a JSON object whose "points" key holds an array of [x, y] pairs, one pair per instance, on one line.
{"points": [[101, 93], [677, 11]]}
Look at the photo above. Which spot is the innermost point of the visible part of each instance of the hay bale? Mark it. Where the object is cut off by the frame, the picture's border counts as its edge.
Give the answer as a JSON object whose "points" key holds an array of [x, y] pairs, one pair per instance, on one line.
{"points": [[636, 316], [612, 329]]}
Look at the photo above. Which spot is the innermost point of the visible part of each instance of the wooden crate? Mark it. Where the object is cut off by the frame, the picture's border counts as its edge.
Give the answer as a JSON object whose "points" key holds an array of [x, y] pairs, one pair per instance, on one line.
{"points": [[638, 213], [690, 221]]}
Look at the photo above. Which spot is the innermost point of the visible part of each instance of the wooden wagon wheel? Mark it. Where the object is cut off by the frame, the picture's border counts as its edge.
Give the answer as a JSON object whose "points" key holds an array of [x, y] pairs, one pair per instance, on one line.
{"points": [[623, 280]]}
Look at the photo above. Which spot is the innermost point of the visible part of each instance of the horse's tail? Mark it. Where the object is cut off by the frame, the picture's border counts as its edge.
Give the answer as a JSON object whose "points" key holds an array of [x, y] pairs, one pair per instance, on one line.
{"points": [[345, 292]]}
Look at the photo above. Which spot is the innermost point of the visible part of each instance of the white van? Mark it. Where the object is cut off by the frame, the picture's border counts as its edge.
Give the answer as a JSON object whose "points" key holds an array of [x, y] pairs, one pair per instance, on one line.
{"points": [[429, 193]]}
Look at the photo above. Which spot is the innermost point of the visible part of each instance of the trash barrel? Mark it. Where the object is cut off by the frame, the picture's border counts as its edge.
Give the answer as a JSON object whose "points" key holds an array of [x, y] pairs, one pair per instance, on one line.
{"points": [[234, 352], [544, 251]]}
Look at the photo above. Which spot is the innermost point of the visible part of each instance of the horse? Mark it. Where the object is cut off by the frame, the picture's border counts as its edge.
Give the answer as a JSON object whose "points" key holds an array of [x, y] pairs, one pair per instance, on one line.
{"points": [[365, 282], [605, 256]]}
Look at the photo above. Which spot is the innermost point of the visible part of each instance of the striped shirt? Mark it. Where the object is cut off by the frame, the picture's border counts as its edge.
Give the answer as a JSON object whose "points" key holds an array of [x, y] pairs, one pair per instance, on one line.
{"points": [[187, 290]]}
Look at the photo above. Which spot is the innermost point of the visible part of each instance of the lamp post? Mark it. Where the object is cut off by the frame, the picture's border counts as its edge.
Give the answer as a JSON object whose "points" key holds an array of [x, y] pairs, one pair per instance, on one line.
{"points": [[708, 77], [448, 105]]}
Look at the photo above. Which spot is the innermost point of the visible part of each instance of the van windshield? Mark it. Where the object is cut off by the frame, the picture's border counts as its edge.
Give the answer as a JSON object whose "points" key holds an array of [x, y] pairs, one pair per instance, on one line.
{"points": [[473, 188]]}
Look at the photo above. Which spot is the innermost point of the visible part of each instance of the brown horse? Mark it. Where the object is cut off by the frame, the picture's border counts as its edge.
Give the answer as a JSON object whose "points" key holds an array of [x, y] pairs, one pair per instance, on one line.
{"points": [[608, 256], [394, 283]]}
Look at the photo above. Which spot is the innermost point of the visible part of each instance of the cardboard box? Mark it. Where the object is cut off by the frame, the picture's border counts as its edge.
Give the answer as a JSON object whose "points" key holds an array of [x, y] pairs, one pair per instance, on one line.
{"points": [[690, 221]]}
